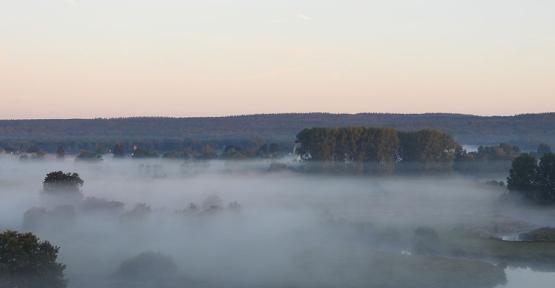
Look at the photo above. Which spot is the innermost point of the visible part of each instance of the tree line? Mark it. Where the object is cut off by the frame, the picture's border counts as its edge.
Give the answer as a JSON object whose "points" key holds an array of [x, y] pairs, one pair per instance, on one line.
{"points": [[384, 149], [175, 149], [523, 130]]}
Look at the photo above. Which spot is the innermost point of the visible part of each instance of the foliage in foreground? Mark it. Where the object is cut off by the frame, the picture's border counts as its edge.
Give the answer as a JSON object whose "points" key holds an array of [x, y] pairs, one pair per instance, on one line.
{"points": [[532, 180], [27, 262]]}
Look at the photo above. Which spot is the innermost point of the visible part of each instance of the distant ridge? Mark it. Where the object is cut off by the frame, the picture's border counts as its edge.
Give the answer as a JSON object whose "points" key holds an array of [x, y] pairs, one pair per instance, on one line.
{"points": [[287, 114], [523, 129]]}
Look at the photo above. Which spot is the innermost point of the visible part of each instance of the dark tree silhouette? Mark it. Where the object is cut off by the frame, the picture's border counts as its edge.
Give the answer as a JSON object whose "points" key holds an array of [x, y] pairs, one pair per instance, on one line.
{"points": [[534, 181], [543, 149], [27, 262], [141, 153], [522, 175], [545, 178], [356, 144], [60, 181], [428, 146], [383, 146]]}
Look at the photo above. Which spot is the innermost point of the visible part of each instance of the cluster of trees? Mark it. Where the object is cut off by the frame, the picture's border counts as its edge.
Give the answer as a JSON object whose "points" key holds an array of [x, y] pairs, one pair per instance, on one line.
{"points": [[427, 145], [167, 148], [532, 179], [211, 205], [348, 144], [85, 155], [493, 158], [184, 150], [65, 185], [502, 152], [204, 152], [28, 262], [65, 188], [385, 147]]}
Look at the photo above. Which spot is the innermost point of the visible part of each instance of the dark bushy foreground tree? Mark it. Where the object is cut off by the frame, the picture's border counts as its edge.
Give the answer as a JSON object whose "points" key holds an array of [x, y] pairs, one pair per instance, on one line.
{"points": [[534, 181], [27, 262], [60, 181]]}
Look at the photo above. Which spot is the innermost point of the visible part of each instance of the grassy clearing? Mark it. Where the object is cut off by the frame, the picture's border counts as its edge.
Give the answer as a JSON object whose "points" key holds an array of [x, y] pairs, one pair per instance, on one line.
{"points": [[537, 255]]}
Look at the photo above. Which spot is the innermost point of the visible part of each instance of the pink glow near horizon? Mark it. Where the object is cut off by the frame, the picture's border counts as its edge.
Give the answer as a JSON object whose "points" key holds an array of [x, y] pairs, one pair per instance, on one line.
{"points": [[86, 59]]}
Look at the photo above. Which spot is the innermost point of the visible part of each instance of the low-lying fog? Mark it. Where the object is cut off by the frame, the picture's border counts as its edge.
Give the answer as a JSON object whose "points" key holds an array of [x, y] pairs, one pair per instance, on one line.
{"points": [[234, 224]]}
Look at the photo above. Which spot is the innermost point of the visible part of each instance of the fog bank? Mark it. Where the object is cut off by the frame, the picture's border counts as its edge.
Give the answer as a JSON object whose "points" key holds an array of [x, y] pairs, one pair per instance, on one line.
{"points": [[235, 224]]}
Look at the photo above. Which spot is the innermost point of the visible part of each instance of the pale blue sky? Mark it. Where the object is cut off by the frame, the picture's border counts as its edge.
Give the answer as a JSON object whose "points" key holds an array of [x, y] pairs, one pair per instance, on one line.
{"points": [[219, 57]]}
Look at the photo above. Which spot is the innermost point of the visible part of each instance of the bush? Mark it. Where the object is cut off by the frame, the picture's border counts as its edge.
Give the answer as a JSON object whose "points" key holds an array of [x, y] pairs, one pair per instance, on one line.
{"points": [[37, 218], [147, 266], [93, 204]]}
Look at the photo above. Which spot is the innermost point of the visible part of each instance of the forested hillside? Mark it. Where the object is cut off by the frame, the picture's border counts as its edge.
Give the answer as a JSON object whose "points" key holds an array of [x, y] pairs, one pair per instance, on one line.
{"points": [[526, 130]]}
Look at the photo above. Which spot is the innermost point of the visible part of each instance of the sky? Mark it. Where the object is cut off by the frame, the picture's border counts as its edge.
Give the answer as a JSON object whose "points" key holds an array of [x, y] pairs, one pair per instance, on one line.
{"points": [[179, 58]]}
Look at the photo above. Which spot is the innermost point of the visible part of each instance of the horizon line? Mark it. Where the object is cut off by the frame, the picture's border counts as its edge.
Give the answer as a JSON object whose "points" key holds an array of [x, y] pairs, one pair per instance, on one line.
{"points": [[276, 114]]}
